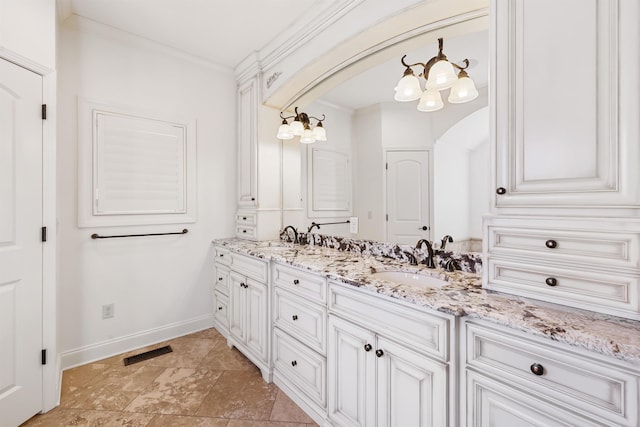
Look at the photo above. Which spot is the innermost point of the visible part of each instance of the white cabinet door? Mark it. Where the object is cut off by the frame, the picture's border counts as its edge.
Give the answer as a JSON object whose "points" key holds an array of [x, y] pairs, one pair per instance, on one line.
{"points": [[351, 374], [257, 326], [412, 389], [237, 306], [565, 103], [248, 143]]}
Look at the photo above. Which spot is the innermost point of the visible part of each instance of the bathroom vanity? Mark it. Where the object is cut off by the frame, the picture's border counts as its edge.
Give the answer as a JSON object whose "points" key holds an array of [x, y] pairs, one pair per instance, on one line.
{"points": [[355, 347]]}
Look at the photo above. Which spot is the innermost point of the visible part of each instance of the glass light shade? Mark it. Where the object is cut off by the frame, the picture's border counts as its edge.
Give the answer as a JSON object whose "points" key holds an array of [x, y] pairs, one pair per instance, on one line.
{"points": [[297, 128], [441, 76], [431, 100], [319, 133], [307, 137], [464, 90], [284, 132], [408, 89]]}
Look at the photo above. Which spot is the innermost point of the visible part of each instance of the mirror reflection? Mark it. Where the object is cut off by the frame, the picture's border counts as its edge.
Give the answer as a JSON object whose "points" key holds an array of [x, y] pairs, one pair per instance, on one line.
{"points": [[398, 174]]}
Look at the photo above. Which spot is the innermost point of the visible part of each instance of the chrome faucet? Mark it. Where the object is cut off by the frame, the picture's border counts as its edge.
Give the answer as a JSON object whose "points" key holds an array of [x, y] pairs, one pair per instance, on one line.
{"points": [[430, 260], [295, 232], [445, 239]]}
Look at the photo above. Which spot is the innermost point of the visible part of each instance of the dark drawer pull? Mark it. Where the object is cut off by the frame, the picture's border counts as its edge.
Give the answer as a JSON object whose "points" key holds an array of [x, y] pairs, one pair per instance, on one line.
{"points": [[501, 190], [295, 317], [220, 279], [551, 244], [296, 281], [379, 353], [551, 281], [244, 231], [367, 347], [219, 308], [294, 363], [244, 218], [537, 369]]}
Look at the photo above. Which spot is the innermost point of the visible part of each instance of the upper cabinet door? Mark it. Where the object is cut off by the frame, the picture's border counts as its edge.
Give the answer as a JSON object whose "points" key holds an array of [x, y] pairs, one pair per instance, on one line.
{"points": [[564, 103], [248, 143]]}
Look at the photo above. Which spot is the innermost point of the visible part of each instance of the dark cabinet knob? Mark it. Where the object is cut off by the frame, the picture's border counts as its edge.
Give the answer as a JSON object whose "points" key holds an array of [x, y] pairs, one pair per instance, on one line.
{"points": [[295, 317], [253, 199], [501, 190], [220, 279], [244, 231], [294, 363], [379, 353], [244, 218], [221, 255], [219, 308], [296, 281], [537, 369], [424, 228], [551, 244], [551, 281], [367, 347]]}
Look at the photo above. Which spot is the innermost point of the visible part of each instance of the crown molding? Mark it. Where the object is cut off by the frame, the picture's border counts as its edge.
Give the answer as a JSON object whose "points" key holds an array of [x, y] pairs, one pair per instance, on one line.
{"points": [[81, 24]]}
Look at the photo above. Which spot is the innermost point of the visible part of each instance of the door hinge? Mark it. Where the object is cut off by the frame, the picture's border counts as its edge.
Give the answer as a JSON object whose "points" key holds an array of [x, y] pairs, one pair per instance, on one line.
{"points": [[387, 217], [44, 356], [386, 166], [44, 111], [44, 234]]}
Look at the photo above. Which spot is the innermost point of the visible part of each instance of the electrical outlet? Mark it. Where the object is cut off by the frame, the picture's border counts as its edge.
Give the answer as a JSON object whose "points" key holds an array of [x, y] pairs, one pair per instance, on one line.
{"points": [[353, 225], [108, 311]]}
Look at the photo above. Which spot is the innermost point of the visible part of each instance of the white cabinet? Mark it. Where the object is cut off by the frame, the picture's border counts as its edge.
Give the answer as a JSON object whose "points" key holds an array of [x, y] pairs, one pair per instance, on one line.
{"points": [[565, 133], [377, 378], [299, 337], [248, 323], [259, 155], [566, 103], [515, 378], [586, 263], [242, 306]]}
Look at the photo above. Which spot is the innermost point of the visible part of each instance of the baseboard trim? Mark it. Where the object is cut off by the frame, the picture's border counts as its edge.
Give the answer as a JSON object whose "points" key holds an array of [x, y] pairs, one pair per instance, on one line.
{"points": [[102, 350]]}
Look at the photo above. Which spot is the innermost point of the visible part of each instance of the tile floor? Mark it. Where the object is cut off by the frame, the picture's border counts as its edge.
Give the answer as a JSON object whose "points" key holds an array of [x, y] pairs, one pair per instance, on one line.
{"points": [[201, 383]]}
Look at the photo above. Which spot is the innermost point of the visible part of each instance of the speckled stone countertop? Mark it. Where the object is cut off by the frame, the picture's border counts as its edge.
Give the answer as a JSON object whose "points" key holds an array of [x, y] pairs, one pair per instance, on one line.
{"points": [[463, 296]]}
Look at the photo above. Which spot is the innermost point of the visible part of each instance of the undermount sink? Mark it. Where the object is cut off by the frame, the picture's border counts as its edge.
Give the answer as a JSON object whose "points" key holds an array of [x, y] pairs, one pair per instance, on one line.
{"points": [[411, 279]]}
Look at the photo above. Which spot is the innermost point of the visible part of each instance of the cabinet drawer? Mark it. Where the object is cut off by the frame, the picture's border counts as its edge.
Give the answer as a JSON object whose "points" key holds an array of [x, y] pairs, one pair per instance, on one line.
{"points": [[493, 404], [221, 310], [427, 332], [609, 293], [611, 248], [222, 279], [302, 320], [573, 379], [223, 255], [303, 367], [246, 231], [300, 283], [251, 267], [246, 219]]}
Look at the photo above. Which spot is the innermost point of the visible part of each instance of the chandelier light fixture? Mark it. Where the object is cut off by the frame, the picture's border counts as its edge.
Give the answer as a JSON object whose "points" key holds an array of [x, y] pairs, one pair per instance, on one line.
{"points": [[301, 126], [439, 74]]}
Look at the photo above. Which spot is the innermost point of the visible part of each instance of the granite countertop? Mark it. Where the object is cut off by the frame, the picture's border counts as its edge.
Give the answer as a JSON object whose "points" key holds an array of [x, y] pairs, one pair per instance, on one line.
{"points": [[463, 296]]}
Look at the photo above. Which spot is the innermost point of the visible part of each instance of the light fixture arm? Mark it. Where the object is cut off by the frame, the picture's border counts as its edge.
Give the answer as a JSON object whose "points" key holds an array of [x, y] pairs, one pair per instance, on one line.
{"points": [[302, 117], [426, 67]]}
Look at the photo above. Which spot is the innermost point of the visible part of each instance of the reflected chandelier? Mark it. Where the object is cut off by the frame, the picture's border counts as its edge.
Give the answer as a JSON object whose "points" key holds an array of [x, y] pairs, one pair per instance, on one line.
{"points": [[301, 126], [439, 74]]}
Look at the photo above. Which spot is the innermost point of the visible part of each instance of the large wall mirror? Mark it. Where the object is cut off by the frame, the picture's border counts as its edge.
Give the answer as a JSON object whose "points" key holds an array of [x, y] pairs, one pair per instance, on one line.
{"points": [[404, 174]]}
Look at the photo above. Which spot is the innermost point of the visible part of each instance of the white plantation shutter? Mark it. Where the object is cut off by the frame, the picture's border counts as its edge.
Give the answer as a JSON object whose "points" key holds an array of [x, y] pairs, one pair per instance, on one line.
{"points": [[139, 166]]}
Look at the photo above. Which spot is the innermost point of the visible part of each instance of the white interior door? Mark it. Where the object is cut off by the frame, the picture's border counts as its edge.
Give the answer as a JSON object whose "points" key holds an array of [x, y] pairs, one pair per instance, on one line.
{"points": [[20, 244], [407, 196]]}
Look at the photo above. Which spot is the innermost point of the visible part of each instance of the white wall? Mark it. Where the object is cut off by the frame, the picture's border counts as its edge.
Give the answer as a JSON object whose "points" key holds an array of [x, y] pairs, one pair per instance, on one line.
{"points": [[161, 286]]}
